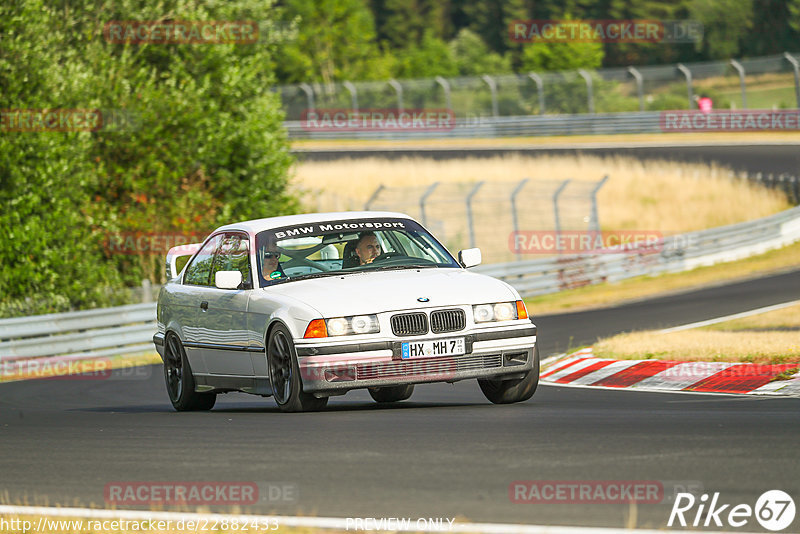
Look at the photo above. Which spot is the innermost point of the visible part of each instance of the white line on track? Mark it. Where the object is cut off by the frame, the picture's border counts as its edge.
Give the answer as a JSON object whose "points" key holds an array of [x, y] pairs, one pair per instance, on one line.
{"points": [[337, 523], [729, 317]]}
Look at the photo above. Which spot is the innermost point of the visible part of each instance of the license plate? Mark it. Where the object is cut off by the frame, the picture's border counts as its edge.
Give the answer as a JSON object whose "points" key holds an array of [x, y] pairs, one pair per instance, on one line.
{"points": [[437, 347]]}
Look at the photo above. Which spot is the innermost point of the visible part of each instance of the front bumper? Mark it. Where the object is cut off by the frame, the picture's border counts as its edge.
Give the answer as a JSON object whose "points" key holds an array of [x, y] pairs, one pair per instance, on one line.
{"points": [[335, 369]]}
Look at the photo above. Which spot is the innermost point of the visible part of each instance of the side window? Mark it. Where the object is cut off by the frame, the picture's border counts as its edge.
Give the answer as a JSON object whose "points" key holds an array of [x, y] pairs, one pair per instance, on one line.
{"points": [[233, 255], [199, 272]]}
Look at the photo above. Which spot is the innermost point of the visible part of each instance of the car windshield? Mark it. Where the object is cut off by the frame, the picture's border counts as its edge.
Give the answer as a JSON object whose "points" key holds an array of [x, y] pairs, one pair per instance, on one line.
{"points": [[338, 247]]}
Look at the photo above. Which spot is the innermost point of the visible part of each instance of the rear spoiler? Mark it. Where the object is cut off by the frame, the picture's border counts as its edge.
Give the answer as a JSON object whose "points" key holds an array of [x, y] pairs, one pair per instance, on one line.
{"points": [[176, 252]]}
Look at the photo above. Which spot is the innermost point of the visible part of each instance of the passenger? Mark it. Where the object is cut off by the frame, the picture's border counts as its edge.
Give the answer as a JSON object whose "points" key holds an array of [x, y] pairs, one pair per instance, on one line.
{"points": [[367, 247]]}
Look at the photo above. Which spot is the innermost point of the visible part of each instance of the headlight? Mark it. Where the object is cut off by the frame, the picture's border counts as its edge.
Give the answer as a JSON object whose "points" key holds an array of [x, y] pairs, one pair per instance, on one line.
{"points": [[358, 324], [483, 313], [501, 311], [364, 324], [505, 311], [337, 326]]}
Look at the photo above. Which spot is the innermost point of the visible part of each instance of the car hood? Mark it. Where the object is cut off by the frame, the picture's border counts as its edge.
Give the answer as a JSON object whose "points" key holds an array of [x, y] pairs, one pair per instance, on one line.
{"points": [[376, 292]]}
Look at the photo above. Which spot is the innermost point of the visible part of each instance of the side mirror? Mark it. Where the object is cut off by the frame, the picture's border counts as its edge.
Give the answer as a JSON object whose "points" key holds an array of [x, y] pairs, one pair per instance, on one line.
{"points": [[227, 279], [469, 257]]}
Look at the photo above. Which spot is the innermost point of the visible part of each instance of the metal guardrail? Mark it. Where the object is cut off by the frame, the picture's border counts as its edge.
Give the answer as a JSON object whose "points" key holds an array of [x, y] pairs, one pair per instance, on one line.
{"points": [[677, 253], [516, 126], [86, 334], [129, 329]]}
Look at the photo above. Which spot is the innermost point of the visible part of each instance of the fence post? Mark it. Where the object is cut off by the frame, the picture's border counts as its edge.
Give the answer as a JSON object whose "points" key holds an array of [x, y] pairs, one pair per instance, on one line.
{"points": [[796, 66], [688, 74], [740, 69], [540, 88], [639, 85], [147, 291], [594, 219], [555, 213], [514, 220], [446, 87], [493, 88], [309, 91], [422, 200], [399, 90], [589, 90], [353, 94], [469, 214], [373, 196]]}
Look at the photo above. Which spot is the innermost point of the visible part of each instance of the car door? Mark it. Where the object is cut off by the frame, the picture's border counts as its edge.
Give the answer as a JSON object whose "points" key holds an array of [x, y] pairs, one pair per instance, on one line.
{"points": [[225, 316], [189, 298]]}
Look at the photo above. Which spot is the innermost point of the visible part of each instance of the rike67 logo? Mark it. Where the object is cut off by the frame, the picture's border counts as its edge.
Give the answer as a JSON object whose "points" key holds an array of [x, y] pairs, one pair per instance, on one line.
{"points": [[774, 510]]}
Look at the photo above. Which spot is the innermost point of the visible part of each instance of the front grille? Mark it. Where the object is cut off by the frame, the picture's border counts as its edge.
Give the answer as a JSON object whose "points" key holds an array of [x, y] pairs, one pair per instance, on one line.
{"points": [[409, 324], [448, 321], [441, 368]]}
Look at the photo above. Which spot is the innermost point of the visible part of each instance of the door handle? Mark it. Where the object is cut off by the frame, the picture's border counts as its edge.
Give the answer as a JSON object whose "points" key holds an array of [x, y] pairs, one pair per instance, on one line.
{"points": [[204, 305]]}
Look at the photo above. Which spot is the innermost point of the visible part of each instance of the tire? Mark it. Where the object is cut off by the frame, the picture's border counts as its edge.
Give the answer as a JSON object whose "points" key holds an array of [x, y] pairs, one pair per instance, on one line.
{"points": [[284, 374], [391, 393], [180, 381], [516, 390]]}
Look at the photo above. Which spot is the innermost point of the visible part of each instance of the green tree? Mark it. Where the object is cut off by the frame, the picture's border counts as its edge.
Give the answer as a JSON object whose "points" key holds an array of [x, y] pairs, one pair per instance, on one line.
{"points": [[473, 57], [205, 144], [431, 58], [725, 23], [335, 41]]}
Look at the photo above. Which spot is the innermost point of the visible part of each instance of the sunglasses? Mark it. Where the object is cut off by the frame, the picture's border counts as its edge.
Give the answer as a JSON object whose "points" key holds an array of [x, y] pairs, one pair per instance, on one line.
{"points": [[272, 255]]}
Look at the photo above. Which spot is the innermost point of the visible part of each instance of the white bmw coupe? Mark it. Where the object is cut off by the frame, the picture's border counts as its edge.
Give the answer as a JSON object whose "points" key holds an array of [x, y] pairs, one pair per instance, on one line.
{"points": [[305, 307]]}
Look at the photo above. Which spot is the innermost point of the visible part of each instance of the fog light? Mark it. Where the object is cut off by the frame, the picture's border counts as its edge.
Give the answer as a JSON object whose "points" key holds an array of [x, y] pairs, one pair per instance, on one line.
{"points": [[340, 374], [515, 358]]}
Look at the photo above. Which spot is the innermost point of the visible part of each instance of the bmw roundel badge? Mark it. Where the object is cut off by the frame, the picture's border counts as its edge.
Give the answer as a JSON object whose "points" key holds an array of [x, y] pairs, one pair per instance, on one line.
{"points": [[423, 299]]}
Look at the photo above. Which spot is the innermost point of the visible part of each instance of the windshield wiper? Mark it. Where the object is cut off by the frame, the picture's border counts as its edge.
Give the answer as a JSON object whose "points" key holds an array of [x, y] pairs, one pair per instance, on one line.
{"points": [[405, 266], [314, 275]]}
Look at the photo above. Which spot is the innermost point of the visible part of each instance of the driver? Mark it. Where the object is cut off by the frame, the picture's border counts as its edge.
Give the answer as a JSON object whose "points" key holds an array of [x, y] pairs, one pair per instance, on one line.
{"points": [[270, 267], [367, 248]]}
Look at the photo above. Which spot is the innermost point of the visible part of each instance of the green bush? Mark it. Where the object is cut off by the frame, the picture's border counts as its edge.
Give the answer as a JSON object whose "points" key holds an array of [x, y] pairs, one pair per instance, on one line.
{"points": [[206, 145]]}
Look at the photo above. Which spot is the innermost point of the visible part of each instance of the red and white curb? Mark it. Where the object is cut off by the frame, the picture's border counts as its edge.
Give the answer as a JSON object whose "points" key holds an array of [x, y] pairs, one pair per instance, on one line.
{"points": [[581, 368]]}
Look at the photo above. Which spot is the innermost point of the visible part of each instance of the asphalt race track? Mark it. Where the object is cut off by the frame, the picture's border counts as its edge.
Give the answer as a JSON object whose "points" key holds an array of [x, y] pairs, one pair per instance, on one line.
{"points": [[447, 452], [764, 157]]}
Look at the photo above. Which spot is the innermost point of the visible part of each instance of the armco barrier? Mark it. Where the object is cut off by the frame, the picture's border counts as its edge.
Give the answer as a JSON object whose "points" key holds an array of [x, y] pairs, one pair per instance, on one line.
{"points": [[86, 334], [676, 253], [129, 329], [491, 127]]}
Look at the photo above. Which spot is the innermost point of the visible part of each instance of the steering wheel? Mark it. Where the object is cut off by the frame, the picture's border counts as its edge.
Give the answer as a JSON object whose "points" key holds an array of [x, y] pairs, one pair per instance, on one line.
{"points": [[387, 255], [305, 261]]}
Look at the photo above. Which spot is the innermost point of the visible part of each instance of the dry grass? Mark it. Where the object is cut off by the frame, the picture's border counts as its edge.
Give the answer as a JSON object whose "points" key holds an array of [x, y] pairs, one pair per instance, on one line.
{"points": [[610, 294], [784, 318], [730, 341], [666, 196], [703, 345]]}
